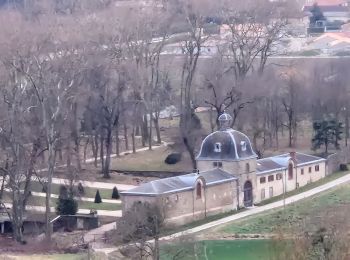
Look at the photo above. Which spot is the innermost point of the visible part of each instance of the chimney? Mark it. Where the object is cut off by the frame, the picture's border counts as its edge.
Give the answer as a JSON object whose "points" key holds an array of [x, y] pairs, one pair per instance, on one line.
{"points": [[293, 155]]}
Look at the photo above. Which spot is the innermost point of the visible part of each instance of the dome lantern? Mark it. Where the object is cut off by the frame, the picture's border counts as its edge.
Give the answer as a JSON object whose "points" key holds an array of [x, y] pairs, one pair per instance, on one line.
{"points": [[225, 121]]}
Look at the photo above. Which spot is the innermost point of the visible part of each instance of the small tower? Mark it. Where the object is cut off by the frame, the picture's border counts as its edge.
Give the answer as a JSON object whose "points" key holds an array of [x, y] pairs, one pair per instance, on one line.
{"points": [[225, 121], [231, 151]]}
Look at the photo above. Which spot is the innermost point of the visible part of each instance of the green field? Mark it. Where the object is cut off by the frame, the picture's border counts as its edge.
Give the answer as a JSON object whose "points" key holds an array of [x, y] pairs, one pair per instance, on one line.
{"points": [[225, 250]]}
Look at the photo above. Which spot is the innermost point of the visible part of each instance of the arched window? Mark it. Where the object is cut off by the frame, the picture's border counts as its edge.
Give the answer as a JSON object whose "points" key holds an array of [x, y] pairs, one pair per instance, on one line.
{"points": [[290, 171], [199, 190], [247, 168]]}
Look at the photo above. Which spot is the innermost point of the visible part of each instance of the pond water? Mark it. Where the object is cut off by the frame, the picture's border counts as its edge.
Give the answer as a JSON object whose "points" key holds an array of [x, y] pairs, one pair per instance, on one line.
{"points": [[225, 250]]}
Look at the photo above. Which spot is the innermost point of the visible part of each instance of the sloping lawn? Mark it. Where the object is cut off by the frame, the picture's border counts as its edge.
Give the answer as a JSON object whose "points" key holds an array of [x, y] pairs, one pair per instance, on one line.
{"points": [[304, 216]]}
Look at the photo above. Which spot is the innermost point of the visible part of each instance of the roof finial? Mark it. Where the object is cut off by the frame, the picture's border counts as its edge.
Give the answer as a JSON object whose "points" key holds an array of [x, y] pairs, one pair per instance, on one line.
{"points": [[225, 121]]}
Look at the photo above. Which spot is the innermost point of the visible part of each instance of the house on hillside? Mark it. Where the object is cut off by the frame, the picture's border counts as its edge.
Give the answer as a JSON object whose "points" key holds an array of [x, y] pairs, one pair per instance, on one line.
{"points": [[334, 11], [229, 177], [332, 43]]}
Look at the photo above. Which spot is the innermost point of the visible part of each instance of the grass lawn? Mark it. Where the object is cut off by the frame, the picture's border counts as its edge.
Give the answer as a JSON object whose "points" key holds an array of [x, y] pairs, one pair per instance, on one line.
{"points": [[308, 215], [40, 201], [89, 192], [224, 250], [151, 161], [49, 257]]}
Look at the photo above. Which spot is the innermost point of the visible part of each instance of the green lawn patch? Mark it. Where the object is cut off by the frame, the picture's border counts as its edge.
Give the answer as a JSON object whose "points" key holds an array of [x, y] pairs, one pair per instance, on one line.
{"points": [[151, 161], [225, 250]]}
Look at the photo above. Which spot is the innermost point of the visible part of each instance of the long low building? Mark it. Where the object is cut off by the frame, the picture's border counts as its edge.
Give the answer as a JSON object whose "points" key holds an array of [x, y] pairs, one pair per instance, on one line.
{"points": [[229, 177]]}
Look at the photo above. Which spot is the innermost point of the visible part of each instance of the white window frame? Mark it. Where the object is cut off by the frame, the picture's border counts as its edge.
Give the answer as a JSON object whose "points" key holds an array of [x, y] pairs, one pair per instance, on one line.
{"points": [[217, 147], [243, 145]]}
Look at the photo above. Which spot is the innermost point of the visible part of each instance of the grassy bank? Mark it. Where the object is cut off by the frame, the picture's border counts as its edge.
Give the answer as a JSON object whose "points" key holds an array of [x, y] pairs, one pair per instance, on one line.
{"points": [[303, 216]]}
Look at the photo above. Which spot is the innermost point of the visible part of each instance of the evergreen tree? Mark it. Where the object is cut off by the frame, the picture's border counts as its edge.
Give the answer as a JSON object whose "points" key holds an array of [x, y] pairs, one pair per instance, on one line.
{"points": [[98, 197], [316, 14], [115, 193], [66, 204], [327, 132]]}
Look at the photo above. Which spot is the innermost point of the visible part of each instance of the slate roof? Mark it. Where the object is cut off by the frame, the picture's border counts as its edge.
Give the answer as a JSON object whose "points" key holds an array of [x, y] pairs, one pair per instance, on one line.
{"points": [[231, 146], [280, 162], [180, 183]]}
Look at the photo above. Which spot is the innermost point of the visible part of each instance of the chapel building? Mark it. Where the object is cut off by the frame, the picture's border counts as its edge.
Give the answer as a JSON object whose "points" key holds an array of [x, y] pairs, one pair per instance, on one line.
{"points": [[229, 177]]}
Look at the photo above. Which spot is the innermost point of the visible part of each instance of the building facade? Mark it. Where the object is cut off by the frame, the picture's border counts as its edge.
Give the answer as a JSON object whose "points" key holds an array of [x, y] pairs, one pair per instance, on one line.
{"points": [[229, 177]]}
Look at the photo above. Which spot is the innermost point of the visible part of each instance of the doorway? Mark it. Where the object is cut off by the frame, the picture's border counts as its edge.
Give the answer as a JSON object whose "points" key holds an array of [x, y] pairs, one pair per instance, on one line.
{"points": [[248, 194]]}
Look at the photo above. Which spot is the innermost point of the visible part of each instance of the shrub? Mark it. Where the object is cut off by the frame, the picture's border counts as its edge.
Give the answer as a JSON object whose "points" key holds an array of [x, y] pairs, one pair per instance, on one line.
{"points": [[63, 191], [115, 193], [66, 204], [81, 190], [98, 197], [173, 158], [343, 167]]}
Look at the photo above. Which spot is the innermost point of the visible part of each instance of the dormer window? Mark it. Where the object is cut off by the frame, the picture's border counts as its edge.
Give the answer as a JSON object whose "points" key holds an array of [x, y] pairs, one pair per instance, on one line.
{"points": [[217, 147], [243, 146]]}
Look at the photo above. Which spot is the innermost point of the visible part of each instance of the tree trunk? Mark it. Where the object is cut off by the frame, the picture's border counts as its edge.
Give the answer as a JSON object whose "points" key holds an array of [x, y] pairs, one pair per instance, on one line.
{"points": [[190, 152], [144, 131], [126, 137], [17, 216], [133, 140], [51, 169], [106, 164], [31, 171], [102, 160], [117, 142], [95, 147], [150, 138], [69, 154], [76, 137], [156, 125], [85, 148]]}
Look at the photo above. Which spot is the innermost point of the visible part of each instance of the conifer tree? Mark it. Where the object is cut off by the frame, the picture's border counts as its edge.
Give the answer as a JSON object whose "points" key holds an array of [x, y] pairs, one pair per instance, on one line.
{"points": [[98, 197]]}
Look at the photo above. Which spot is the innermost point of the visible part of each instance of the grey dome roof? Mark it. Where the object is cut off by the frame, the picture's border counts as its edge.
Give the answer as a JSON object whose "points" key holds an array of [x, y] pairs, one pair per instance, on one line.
{"points": [[227, 145]]}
